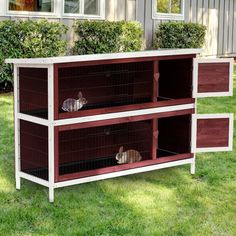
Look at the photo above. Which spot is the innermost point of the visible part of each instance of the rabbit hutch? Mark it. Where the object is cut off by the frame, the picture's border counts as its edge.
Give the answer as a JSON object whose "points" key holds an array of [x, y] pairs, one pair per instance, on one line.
{"points": [[86, 118]]}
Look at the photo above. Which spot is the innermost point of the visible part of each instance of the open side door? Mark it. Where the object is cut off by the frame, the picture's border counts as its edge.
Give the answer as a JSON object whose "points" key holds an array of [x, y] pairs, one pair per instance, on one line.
{"points": [[213, 133], [213, 77]]}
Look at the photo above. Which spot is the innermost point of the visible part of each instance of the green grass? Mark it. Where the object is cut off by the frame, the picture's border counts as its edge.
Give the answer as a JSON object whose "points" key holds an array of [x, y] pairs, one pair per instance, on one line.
{"points": [[165, 202]]}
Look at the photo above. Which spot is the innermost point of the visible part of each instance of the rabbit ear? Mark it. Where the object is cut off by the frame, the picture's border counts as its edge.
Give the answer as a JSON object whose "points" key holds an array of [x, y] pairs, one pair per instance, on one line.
{"points": [[80, 95], [121, 149]]}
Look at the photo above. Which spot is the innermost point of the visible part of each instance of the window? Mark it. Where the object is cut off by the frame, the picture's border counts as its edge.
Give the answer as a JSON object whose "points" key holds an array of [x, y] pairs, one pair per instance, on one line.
{"points": [[82, 7], [168, 9], [57, 8], [31, 5]]}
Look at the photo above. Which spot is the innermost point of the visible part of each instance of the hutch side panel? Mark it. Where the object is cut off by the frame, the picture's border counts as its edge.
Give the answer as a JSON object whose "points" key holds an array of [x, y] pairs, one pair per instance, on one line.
{"points": [[34, 149], [33, 91]]}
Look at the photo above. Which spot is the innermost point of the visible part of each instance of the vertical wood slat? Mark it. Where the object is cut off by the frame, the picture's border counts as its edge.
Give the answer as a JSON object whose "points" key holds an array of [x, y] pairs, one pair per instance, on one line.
{"points": [[194, 11], [140, 12], [154, 99], [130, 10], [56, 95], [234, 30], [221, 26], [56, 153], [225, 27], [230, 25], [120, 10], [149, 23], [187, 11]]}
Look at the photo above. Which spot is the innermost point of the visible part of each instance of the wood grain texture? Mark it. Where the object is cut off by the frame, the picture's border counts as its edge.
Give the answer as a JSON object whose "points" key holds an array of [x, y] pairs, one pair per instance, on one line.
{"points": [[213, 77], [34, 146], [33, 89], [212, 132]]}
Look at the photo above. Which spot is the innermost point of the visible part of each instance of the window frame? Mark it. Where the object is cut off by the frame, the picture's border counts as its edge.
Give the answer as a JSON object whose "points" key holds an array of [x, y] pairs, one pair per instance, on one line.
{"points": [[167, 16], [58, 12], [81, 15], [31, 13]]}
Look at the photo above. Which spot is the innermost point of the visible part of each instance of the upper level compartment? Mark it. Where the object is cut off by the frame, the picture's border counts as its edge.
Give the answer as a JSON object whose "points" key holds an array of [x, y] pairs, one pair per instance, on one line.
{"points": [[77, 86]]}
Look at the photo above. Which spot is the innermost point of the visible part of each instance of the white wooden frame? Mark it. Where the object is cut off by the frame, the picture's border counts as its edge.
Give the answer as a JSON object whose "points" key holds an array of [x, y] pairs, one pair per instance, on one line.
{"points": [[167, 16], [197, 61], [81, 15], [33, 13], [196, 117], [57, 13]]}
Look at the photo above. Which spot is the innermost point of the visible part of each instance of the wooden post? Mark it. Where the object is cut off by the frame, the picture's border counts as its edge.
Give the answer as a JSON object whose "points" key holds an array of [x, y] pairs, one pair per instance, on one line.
{"points": [[154, 99]]}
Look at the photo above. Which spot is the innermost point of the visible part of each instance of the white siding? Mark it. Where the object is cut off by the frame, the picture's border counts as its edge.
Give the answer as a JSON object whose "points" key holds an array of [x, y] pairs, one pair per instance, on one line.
{"points": [[218, 15]]}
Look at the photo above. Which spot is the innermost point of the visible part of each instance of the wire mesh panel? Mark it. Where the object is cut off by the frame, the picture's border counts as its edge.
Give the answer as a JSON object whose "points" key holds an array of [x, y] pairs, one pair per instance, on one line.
{"points": [[33, 91], [101, 147], [34, 149], [99, 86], [175, 79]]}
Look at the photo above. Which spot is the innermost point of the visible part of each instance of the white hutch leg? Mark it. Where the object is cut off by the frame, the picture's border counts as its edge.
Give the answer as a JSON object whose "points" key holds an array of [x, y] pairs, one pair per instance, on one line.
{"points": [[51, 133], [17, 128], [193, 167]]}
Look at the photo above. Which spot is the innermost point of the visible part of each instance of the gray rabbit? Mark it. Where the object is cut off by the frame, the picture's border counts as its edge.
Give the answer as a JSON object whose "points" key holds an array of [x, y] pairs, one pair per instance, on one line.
{"points": [[71, 105]]}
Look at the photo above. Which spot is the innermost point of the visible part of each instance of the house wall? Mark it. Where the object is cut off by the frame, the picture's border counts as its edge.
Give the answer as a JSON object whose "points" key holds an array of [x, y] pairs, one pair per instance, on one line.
{"points": [[115, 10], [218, 15]]}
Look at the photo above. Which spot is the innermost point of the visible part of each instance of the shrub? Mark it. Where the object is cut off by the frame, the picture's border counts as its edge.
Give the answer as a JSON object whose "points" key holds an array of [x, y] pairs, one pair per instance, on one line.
{"points": [[28, 39], [107, 37], [179, 35]]}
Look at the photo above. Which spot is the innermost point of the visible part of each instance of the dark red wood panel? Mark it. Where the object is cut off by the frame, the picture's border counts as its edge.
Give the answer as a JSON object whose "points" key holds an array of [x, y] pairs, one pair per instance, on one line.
{"points": [[33, 91], [213, 77], [33, 147], [212, 132]]}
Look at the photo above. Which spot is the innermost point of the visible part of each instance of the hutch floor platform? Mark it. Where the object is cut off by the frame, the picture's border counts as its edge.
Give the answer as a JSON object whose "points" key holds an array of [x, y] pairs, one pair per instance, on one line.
{"points": [[142, 101]]}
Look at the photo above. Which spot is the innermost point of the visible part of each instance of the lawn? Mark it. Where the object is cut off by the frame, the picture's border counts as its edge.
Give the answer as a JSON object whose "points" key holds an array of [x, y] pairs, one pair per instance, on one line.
{"points": [[165, 202]]}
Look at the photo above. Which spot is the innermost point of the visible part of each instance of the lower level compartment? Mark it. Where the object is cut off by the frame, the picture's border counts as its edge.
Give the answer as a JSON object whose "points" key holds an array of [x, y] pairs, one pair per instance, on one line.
{"points": [[105, 149]]}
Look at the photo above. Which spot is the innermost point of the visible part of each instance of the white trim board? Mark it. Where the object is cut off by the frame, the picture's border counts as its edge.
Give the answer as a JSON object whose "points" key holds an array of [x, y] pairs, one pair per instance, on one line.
{"points": [[58, 12], [123, 173], [106, 56], [123, 114], [197, 61], [34, 179], [212, 116]]}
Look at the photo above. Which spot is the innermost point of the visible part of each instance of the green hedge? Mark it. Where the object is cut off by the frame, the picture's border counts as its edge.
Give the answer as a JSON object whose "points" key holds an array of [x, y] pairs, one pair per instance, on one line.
{"points": [[107, 37], [28, 39], [179, 35]]}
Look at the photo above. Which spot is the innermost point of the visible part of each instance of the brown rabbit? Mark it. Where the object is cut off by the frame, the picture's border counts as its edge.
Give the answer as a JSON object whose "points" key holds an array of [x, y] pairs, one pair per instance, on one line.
{"points": [[130, 156]]}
